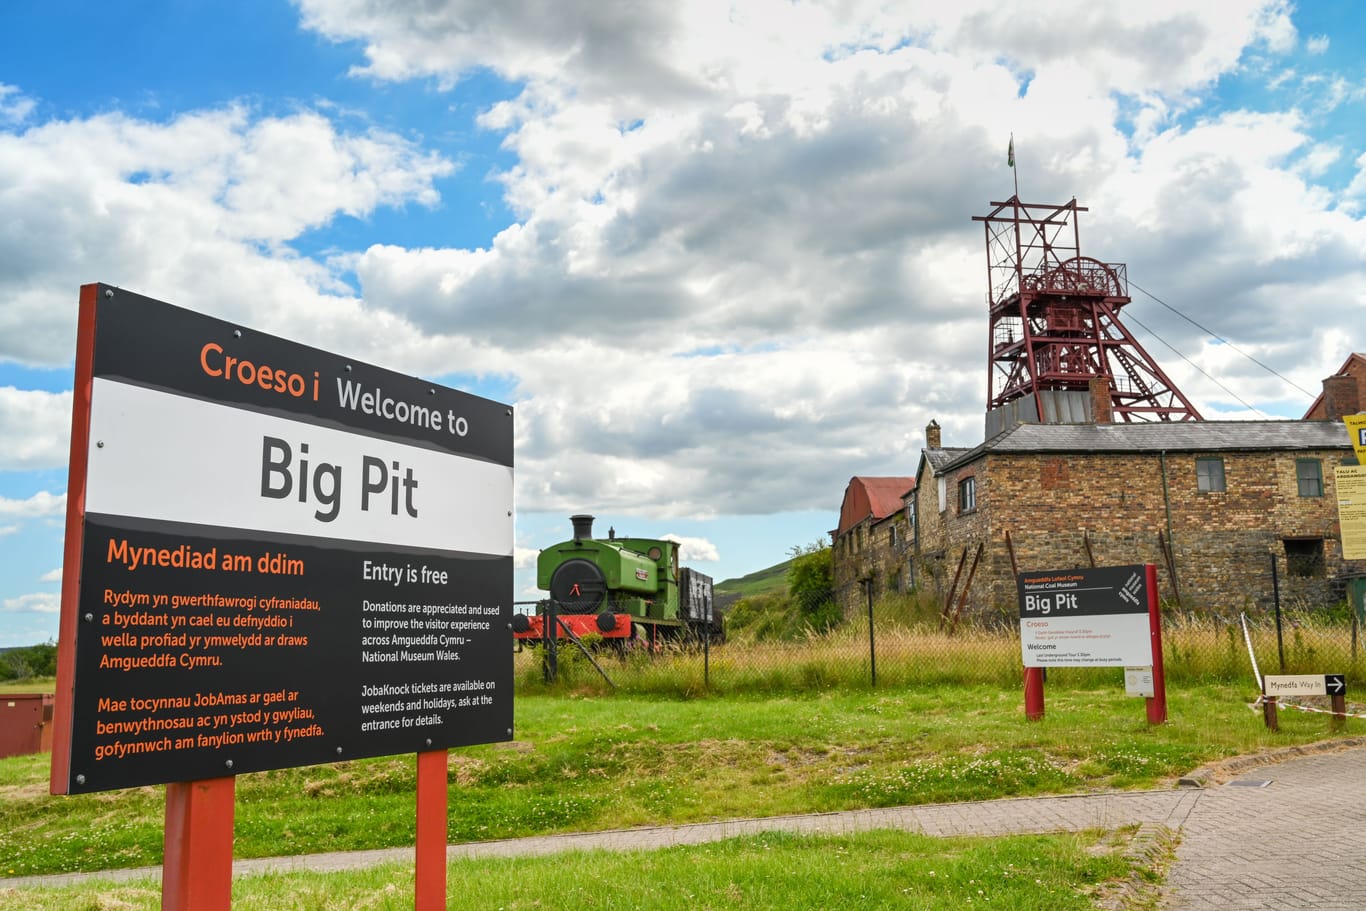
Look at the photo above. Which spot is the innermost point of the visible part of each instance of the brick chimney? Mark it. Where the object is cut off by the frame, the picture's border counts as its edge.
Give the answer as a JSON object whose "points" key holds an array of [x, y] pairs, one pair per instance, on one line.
{"points": [[932, 439], [1102, 409], [1341, 395]]}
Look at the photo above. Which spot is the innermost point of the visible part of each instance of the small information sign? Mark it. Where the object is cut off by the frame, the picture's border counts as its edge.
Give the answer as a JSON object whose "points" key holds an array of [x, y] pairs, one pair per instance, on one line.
{"points": [[1138, 681]]}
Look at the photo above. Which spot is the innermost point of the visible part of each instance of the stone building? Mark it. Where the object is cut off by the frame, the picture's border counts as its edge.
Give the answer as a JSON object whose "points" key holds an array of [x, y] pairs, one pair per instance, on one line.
{"points": [[1214, 504], [870, 544]]}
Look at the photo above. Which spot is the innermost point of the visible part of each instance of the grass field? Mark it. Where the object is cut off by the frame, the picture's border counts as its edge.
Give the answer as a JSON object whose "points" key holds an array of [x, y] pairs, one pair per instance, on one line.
{"points": [[877, 870], [38, 685], [756, 729], [772, 579], [581, 764]]}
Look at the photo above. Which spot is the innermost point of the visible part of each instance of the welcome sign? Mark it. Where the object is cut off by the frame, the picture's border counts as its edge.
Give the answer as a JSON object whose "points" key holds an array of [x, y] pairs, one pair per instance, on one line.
{"points": [[276, 556]]}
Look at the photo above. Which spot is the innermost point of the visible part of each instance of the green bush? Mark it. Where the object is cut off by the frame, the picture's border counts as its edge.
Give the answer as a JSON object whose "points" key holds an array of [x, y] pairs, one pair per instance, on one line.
{"points": [[28, 662]]}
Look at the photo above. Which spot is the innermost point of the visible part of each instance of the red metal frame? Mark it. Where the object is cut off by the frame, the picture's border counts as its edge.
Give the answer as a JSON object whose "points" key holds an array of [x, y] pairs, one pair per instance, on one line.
{"points": [[580, 624], [1054, 318], [71, 554]]}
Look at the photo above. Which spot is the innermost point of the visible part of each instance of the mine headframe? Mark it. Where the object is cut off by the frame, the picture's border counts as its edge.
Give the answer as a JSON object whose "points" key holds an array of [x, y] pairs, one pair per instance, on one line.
{"points": [[1055, 323]]}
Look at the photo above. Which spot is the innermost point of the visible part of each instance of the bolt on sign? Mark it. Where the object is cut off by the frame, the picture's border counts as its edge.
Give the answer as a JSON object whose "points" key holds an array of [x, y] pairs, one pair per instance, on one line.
{"points": [[276, 556]]}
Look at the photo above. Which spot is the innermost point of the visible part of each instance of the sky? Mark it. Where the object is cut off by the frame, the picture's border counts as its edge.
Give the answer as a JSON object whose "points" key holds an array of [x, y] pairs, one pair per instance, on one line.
{"points": [[718, 255]]}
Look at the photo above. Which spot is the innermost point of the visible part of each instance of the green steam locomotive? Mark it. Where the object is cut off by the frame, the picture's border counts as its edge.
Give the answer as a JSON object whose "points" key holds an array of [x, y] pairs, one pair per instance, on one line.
{"points": [[620, 589]]}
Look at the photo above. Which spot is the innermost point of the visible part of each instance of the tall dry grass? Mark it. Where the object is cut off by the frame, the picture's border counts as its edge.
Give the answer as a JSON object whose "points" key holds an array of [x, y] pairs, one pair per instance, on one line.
{"points": [[911, 646]]}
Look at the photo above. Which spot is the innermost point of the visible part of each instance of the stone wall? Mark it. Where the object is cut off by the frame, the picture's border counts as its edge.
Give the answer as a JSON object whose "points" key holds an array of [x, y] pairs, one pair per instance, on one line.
{"points": [[1122, 507], [871, 550]]}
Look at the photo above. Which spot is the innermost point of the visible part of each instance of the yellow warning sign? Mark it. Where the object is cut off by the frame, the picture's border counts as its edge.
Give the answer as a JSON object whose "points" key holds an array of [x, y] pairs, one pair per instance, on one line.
{"points": [[1351, 484], [1356, 429]]}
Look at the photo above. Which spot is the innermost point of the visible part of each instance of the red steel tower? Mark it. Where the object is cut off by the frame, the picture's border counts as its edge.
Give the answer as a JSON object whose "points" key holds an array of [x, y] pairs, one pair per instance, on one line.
{"points": [[1055, 318]]}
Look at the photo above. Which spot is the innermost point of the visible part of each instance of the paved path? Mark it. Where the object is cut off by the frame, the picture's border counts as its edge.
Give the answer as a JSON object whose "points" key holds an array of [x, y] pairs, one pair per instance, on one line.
{"points": [[1298, 842]]}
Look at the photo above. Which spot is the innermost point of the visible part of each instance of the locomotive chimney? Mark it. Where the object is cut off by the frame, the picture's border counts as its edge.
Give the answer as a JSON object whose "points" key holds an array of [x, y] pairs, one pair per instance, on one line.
{"points": [[583, 527]]}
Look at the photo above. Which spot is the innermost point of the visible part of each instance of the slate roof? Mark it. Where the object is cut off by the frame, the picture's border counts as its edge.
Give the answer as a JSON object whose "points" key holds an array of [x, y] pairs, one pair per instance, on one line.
{"points": [[1159, 436], [938, 458]]}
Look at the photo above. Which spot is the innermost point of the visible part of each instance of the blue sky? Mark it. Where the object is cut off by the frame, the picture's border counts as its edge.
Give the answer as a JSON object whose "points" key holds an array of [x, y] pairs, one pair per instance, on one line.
{"points": [[719, 256]]}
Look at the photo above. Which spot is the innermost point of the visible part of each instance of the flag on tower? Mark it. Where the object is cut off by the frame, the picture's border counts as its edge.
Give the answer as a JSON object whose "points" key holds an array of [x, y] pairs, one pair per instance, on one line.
{"points": [[1010, 152]]}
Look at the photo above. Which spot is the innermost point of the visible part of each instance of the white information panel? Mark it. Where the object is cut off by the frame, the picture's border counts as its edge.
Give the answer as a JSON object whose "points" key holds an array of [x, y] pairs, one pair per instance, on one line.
{"points": [[1085, 618]]}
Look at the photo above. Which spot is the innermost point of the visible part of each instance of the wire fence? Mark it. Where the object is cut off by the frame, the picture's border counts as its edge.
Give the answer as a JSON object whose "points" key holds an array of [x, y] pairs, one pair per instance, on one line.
{"points": [[848, 639]]}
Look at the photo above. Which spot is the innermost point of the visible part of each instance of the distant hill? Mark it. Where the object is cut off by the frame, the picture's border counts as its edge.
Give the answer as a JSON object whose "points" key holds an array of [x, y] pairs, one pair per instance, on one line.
{"points": [[763, 581]]}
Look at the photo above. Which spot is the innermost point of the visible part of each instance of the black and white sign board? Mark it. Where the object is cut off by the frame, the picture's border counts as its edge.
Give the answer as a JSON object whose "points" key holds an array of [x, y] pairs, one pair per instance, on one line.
{"points": [[1304, 685], [1097, 617], [277, 556]]}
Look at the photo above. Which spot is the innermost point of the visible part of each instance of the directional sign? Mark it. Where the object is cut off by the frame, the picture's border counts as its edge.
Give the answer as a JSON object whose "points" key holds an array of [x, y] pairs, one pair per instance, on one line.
{"points": [[1304, 685]]}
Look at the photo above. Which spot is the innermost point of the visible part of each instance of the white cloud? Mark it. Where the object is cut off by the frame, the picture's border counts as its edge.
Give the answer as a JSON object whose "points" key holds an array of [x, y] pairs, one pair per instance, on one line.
{"points": [[1316, 44], [157, 207], [34, 603], [14, 106], [693, 549], [767, 229], [41, 505], [35, 428], [742, 267], [1356, 190], [52, 575]]}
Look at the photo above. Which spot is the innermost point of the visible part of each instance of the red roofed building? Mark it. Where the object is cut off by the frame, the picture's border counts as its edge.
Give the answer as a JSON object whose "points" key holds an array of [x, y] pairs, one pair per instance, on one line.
{"points": [[871, 542], [1343, 393]]}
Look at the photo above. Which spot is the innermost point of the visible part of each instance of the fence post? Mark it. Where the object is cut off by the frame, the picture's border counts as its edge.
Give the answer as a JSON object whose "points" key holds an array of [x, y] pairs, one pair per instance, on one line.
{"points": [[872, 650], [1276, 594], [550, 634], [706, 654]]}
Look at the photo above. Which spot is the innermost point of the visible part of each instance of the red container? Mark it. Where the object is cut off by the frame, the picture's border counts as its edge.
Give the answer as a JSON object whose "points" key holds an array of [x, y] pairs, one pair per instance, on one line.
{"points": [[25, 723]]}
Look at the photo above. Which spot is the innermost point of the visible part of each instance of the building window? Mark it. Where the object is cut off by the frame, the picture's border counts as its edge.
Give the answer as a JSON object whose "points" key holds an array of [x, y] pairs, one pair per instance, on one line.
{"points": [[1309, 477], [891, 536], [967, 495], [1304, 557], [912, 523], [1209, 475]]}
